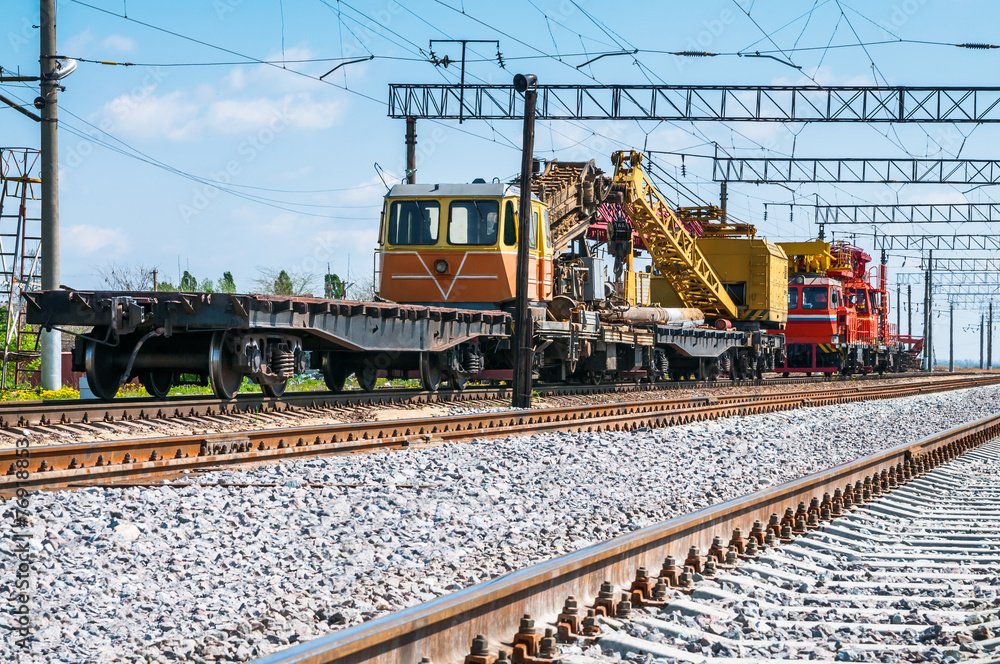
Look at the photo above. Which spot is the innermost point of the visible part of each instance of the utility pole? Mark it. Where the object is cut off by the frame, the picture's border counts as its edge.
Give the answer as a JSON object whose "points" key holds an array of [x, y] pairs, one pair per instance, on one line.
{"points": [[989, 340], [982, 337], [909, 310], [51, 341], [951, 339], [411, 150], [899, 309], [524, 326]]}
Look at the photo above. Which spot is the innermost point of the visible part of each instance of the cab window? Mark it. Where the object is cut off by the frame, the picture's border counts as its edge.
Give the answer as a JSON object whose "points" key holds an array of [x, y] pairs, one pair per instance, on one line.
{"points": [[473, 222], [835, 298], [545, 228], [815, 297], [509, 225], [533, 231], [414, 222], [793, 298]]}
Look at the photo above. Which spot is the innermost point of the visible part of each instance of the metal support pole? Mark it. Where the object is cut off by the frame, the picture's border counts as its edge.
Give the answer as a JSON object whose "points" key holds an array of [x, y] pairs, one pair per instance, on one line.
{"points": [[411, 150], [930, 310], [989, 340], [51, 341], [522, 320], [951, 339], [899, 309], [909, 310], [982, 337]]}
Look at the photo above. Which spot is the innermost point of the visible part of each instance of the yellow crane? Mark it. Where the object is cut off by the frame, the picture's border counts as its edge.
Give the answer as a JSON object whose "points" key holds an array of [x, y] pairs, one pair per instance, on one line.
{"points": [[673, 249]]}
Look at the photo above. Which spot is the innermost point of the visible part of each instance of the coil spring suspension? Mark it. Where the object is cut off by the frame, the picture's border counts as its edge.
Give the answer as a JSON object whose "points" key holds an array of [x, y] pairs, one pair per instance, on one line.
{"points": [[283, 361], [662, 364], [472, 362]]}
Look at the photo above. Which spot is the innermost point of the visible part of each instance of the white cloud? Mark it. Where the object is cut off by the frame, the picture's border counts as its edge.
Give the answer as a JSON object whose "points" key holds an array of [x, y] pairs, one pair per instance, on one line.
{"points": [[119, 44], [149, 116], [193, 115], [86, 240], [76, 44]]}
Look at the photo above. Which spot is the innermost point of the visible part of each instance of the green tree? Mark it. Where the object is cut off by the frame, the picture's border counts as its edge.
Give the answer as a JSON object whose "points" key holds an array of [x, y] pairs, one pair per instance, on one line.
{"points": [[206, 286], [283, 284], [166, 287], [188, 283], [334, 287], [226, 284]]}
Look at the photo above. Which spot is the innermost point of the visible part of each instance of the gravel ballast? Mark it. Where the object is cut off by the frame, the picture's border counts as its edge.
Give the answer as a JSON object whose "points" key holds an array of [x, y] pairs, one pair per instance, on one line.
{"points": [[212, 572]]}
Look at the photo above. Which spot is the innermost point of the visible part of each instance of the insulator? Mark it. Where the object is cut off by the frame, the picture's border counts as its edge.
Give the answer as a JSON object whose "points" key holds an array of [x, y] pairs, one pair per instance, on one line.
{"points": [[683, 167], [977, 46], [695, 54]]}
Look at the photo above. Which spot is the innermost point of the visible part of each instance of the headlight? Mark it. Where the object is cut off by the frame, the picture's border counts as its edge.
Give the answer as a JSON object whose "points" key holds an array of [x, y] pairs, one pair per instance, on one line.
{"points": [[441, 266]]}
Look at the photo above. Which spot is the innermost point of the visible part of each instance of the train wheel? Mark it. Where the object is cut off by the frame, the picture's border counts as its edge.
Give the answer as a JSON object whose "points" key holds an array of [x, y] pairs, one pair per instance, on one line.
{"points": [[157, 382], [430, 372], [274, 390], [785, 374], [334, 373], [224, 379], [103, 379], [459, 381], [367, 377], [594, 377]]}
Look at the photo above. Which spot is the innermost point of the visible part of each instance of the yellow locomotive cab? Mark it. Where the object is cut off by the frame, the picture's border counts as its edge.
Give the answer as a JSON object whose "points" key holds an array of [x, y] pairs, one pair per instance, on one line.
{"points": [[457, 245]]}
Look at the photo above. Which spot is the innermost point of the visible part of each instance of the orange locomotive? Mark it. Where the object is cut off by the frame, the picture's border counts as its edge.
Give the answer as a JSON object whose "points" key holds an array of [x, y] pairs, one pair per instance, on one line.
{"points": [[838, 312]]}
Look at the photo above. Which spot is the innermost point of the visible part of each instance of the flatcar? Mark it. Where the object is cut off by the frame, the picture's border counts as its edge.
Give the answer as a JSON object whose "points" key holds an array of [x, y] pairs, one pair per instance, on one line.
{"points": [[445, 276]]}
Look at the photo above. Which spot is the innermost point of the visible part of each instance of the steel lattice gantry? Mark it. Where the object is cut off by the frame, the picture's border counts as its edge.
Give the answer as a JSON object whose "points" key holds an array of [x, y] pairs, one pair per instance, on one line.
{"points": [[950, 278], [730, 103], [963, 264], [856, 170], [947, 213], [937, 242]]}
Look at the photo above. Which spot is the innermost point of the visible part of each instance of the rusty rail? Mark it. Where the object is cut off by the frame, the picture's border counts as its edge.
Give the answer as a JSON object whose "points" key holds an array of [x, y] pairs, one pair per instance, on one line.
{"points": [[76, 464], [18, 415], [444, 628]]}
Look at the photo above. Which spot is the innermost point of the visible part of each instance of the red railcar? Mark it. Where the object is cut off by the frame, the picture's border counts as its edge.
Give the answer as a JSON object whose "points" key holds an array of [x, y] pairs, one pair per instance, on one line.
{"points": [[838, 313]]}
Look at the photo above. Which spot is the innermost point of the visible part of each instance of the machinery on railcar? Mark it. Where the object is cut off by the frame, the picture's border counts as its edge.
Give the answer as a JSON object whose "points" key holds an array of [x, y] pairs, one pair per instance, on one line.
{"points": [[446, 265], [838, 313]]}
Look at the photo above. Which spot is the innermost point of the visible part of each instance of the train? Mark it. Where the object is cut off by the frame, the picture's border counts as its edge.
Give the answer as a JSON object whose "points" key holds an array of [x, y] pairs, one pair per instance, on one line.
{"points": [[711, 302], [838, 313]]}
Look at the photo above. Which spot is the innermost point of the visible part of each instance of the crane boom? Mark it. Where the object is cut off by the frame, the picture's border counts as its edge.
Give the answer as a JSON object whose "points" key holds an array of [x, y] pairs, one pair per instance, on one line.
{"points": [[673, 250]]}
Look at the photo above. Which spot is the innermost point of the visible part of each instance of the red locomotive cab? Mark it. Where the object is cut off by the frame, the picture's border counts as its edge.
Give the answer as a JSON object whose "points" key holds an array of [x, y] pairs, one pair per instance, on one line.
{"points": [[457, 245], [813, 304]]}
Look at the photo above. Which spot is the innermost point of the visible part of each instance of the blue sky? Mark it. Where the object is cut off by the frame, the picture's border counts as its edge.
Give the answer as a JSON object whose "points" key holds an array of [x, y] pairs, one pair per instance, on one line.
{"points": [[140, 146]]}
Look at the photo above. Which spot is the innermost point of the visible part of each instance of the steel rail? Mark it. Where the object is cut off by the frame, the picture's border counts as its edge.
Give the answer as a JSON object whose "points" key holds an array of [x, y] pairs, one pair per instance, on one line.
{"points": [[76, 464], [16, 415], [444, 628]]}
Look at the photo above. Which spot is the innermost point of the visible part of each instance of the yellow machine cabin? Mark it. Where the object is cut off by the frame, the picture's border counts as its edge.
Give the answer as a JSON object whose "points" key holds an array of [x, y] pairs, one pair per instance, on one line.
{"points": [[456, 244]]}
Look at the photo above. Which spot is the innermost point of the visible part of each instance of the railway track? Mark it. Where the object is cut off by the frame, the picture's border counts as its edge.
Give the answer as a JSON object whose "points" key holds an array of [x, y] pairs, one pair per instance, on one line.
{"points": [[892, 557], [144, 459], [66, 416]]}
